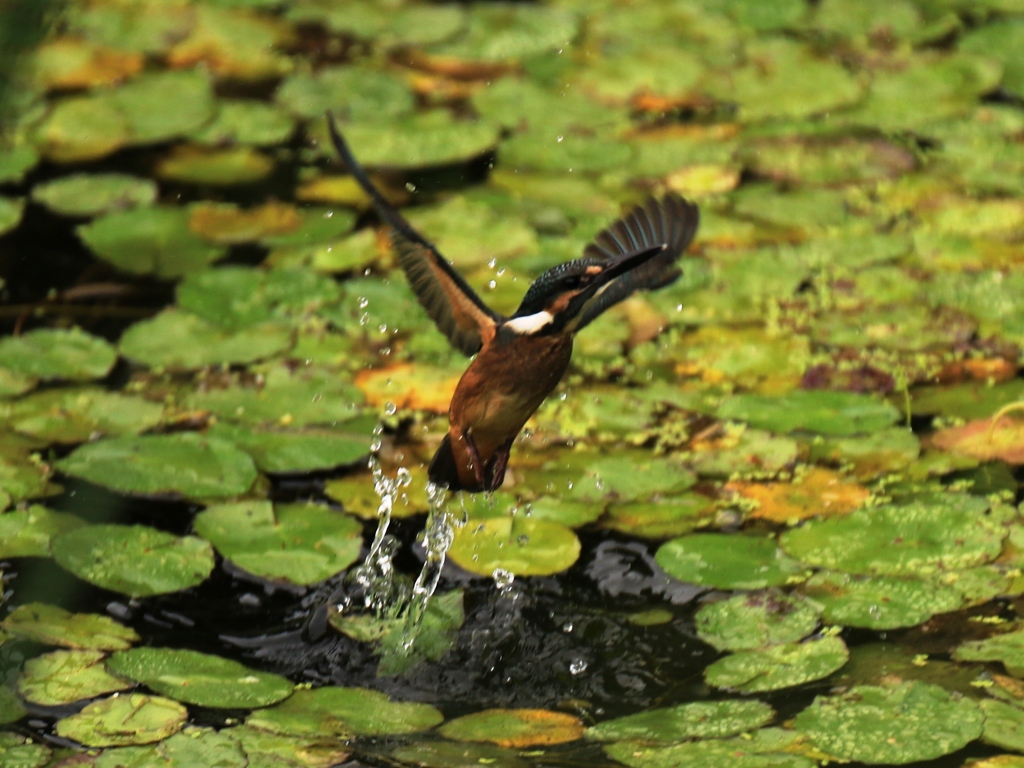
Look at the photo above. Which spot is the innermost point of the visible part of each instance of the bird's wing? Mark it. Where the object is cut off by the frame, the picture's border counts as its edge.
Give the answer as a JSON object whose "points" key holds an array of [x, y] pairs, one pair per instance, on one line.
{"points": [[670, 221], [453, 306]]}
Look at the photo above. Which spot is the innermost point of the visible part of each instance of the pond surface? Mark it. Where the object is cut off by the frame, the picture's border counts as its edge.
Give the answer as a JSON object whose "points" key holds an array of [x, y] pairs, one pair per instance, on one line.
{"points": [[770, 517]]}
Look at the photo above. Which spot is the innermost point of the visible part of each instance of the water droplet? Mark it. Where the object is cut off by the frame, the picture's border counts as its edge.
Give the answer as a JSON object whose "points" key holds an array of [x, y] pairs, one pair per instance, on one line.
{"points": [[365, 318], [410, 186], [317, 397], [329, 214], [391, 409], [503, 579], [560, 139], [383, 327], [567, 627], [577, 667], [363, 302], [492, 284], [522, 540], [492, 263]]}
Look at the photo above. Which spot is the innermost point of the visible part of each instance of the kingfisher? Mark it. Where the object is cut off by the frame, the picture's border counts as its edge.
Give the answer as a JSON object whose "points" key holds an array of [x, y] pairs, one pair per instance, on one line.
{"points": [[520, 359]]}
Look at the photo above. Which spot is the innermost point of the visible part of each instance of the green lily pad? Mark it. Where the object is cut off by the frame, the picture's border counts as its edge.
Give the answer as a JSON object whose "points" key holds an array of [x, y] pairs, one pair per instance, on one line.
{"points": [[434, 636], [766, 748], [57, 354], [133, 559], [873, 18], [971, 400], [1007, 648], [165, 105], [778, 666], [28, 532], [353, 93], [123, 720], [82, 128], [22, 479], [745, 451], [84, 194], [153, 240], [543, 150], [756, 620], [296, 543], [882, 452], [520, 545], [699, 720], [821, 411], [235, 44], [262, 748], [11, 209], [283, 451], [200, 678], [827, 160], [151, 29], [50, 625], [510, 32], [898, 723], [342, 712], [20, 752], [13, 383], [1001, 40], [728, 561], [246, 122], [180, 340], [418, 141], [189, 746], [385, 25], [879, 602], [77, 415], [448, 754], [16, 162], [184, 463], [939, 532], [668, 72], [1004, 725], [665, 518], [64, 677], [318, 225], [929, 89], [237, 297], [214, 166], [514, 727], [784, 78], [630, 476]]}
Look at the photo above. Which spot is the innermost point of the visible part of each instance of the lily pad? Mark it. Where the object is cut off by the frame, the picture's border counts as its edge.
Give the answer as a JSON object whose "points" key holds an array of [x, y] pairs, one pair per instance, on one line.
{"points": [[342, 712], [449, 754], [297, 543], [778, 666], [816, 492], [1001, 40], [503, 32], [630, 476], [84, 194], [756, 620], [76, 415], [260, 747], [123, 720], [20, 752], [879, 602], [728, 561], [898, 723], [28, 532], [821, 411], [985, 440], [766, 748], [1007, 648], [354, 93], [16, 161], [228, 224], [739, 451], [24, 478], [133, 559], [520, 545], [928, 534], [180, 340], [234, 44], [64, 677], [184, 463], [246, 122], [11, 210], [189, 746], [699, 720], [674, 516], [153, 240], [51, 625], [164, 105], [514, 727], [57, 354], [200, 678], [1004, 725], [283, 451], [214, 166]]}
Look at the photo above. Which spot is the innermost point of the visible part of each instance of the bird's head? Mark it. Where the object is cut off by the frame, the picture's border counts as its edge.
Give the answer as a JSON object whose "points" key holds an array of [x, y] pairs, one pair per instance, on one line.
{"points": [[555, 301]]}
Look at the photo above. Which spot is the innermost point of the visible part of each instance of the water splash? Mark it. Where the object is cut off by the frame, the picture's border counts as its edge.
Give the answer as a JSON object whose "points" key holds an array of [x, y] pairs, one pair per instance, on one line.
{"points": [[437, 538]]}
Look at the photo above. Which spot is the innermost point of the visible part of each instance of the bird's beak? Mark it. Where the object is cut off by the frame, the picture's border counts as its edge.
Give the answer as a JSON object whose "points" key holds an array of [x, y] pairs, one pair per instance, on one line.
{"points": [[625, 263]]}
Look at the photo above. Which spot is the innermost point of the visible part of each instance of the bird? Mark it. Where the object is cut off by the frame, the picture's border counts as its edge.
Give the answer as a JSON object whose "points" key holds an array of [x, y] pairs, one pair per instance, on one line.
{"points": [[520, 359]]}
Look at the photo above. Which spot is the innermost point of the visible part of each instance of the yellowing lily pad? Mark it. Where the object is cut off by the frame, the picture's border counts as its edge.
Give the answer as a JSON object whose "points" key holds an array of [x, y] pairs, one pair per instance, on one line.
{"points": [[68, 63], [184, 463], [778, 666], [226, 224], [123, 720], [757, 620], [816, 492], [50, 625], [180, 340], [520, 545], [296, 543], [198, 164], [514, 727], [985, 439], [64, 677], [343, 712], [903, 722], [699, 720], [200, 678], [57, 354], [234, 44], [672, 516], [94, 194], [153, 240], [731, 561], [934, 532], [133, 559], [417, 387]]}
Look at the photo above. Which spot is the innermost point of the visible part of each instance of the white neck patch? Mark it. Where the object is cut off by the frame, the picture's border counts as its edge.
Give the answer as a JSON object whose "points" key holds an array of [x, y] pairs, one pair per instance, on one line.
{"points": [[528, 324]]}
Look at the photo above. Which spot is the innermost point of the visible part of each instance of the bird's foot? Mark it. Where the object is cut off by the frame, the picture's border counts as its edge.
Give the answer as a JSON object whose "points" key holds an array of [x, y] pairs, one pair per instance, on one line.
{"points": [[479, 470], [498, 466]]}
